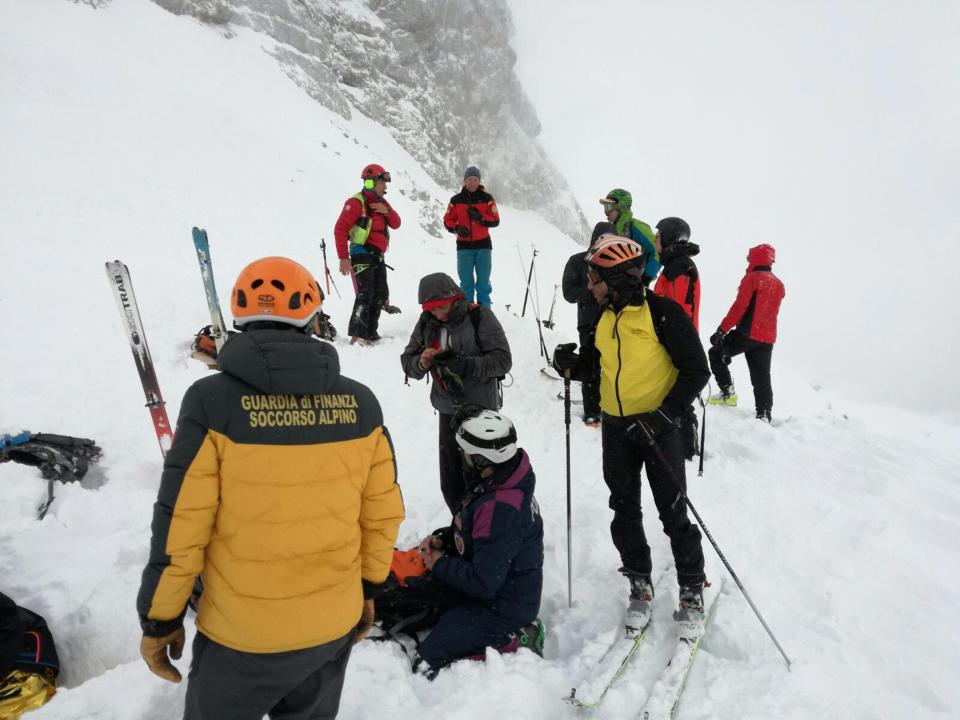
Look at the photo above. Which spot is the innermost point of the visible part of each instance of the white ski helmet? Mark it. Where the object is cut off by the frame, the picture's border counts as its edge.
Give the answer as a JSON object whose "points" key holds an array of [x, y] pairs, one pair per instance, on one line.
{"points": [[488, 434]]}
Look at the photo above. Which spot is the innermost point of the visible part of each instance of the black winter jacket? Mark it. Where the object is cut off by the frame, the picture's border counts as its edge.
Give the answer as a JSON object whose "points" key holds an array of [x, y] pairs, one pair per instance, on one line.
{"points": [[575, 291]]}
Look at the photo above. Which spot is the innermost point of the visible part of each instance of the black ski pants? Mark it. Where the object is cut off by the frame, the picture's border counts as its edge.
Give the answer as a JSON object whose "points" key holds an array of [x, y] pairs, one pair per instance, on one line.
{"points": [[590, 383], [624, 455], [295, 685], [758, 356], [370, 275], [452, 484]]}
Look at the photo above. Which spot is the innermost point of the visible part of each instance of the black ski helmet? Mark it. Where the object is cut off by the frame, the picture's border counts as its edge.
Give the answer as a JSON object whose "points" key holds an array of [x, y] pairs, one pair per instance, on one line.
{"points": [[673, 230]]}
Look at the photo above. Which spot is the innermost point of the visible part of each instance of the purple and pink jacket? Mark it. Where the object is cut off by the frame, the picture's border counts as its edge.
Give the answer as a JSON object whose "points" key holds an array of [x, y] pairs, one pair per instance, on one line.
{"points": [[496, 553]]}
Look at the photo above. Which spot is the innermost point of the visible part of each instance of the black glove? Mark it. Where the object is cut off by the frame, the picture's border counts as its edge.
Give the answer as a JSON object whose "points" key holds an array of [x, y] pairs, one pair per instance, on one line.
{"points": [[455, 363], [474, 213], [462, 230], [652, 425], [565, 358], [452, 369], [717, 338]]}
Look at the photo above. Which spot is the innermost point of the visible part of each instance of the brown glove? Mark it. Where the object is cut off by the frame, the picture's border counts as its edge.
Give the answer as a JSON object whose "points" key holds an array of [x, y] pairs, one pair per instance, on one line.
{"points": [[366, 622], [154, 652]]}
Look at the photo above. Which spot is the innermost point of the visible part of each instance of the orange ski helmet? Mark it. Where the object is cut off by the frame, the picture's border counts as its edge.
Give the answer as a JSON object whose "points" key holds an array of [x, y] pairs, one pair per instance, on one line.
{"points": [[276, 289], [613, 251]]}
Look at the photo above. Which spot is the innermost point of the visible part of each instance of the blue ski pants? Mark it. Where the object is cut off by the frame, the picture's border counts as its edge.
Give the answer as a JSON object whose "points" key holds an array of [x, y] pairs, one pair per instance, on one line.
{"points": [[474, 266]]}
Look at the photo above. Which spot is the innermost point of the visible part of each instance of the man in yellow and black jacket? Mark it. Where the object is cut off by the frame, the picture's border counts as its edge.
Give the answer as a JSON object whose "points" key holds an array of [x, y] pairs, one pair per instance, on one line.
{"points": [[652, 366], [280, 492]]}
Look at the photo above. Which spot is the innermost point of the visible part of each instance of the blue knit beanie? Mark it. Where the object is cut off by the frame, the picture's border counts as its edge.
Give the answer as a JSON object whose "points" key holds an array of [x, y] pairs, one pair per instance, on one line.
{"points": [[472, 171]]}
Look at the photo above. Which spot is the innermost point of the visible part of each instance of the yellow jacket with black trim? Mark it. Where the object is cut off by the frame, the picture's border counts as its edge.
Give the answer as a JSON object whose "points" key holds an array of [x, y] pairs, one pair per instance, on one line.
{"points": [[280, 491], [650, 355]]}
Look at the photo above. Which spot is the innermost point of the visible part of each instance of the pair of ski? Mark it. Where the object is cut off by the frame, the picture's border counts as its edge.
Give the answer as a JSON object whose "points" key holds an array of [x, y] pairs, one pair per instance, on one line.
{"points": [[122, 286], [666, 693]]}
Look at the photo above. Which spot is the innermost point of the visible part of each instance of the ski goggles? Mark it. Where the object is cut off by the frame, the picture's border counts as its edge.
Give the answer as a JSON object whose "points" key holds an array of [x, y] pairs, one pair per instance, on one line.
{"points": [[385, 176]]}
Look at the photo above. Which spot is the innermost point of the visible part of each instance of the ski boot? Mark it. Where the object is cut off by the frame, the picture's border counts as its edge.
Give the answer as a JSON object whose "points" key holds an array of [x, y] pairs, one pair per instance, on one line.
{"points": [[764, 415], [689, 616], [532, 636], [365, 341], [727, 396], [640, 609]]}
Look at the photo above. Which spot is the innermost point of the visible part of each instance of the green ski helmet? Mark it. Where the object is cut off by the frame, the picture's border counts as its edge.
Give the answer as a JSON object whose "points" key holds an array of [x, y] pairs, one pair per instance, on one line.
{"points": [[619, 198]]}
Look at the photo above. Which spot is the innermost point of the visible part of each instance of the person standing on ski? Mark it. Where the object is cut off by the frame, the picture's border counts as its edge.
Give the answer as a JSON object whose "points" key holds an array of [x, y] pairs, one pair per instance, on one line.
{"points": [[652, 365], [588, 310], [617, 207], [470, 215], [465, 351], [492, 553], [362, 235], [680, 281], [280, 492], [750, 327]]}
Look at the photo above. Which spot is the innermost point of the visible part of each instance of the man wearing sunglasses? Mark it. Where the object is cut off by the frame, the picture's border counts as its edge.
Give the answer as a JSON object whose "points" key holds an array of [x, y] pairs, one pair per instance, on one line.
{"points": [[652, 366], [362, 234], [617, 207]]}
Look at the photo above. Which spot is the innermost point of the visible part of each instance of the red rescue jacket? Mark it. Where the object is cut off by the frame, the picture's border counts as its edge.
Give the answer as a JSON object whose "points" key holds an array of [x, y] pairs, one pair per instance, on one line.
{"points": [[680, 280], [380, 224], [457, 216], [754, 312]]}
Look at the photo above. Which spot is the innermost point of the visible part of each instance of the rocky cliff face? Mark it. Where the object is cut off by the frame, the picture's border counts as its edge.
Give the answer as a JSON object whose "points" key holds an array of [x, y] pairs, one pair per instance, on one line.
{"points": [[437, 73]]}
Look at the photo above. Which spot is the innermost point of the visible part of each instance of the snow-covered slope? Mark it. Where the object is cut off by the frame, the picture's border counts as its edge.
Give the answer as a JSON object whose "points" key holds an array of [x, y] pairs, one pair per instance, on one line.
{"points": [[121, 128], [437, 75]]}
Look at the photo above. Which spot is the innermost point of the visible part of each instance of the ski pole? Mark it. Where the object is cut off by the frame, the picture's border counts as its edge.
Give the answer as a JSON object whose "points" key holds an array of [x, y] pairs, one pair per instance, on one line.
{"points": [[683, 494], [703, 430], [326, 269], [536, 311], [566, 420], [529, 277], [548, 323], [543, 345]]}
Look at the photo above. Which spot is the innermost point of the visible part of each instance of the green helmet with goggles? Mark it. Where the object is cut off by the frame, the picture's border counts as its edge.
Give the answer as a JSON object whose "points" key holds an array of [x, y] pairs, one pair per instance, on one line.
{"points": [[618, 199]]}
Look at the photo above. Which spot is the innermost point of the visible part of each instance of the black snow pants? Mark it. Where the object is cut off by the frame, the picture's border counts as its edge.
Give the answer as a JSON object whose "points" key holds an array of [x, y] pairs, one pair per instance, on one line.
{"points": [[452, 484], [624, 455], [758, 356], [370, 275], [295, 685]]}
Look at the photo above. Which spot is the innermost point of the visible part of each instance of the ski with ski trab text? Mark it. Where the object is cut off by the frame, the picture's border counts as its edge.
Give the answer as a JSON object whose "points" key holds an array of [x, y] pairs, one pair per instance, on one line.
{"points": [[119, 277]]}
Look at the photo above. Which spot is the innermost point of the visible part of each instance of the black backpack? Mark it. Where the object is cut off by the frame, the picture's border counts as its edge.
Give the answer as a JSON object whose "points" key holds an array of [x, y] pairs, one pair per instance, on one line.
{"points": [[26, 643]]}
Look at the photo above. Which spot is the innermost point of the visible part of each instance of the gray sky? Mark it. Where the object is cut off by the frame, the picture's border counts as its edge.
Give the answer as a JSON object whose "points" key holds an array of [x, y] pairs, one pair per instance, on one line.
{"points": [[827, 129]]}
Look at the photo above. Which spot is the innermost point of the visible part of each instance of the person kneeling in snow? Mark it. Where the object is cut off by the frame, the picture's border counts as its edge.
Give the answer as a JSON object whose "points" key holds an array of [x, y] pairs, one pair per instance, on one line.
{"points": [[492, 553]]}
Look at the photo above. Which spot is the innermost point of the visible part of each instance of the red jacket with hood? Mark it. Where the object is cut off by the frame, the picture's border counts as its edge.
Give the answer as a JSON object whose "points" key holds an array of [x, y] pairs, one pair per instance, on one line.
{"points": [[754, 312]]}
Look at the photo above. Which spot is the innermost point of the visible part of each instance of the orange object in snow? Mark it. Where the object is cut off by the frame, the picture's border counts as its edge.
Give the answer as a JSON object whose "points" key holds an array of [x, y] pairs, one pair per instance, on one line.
{"points": [[407, 563]]}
